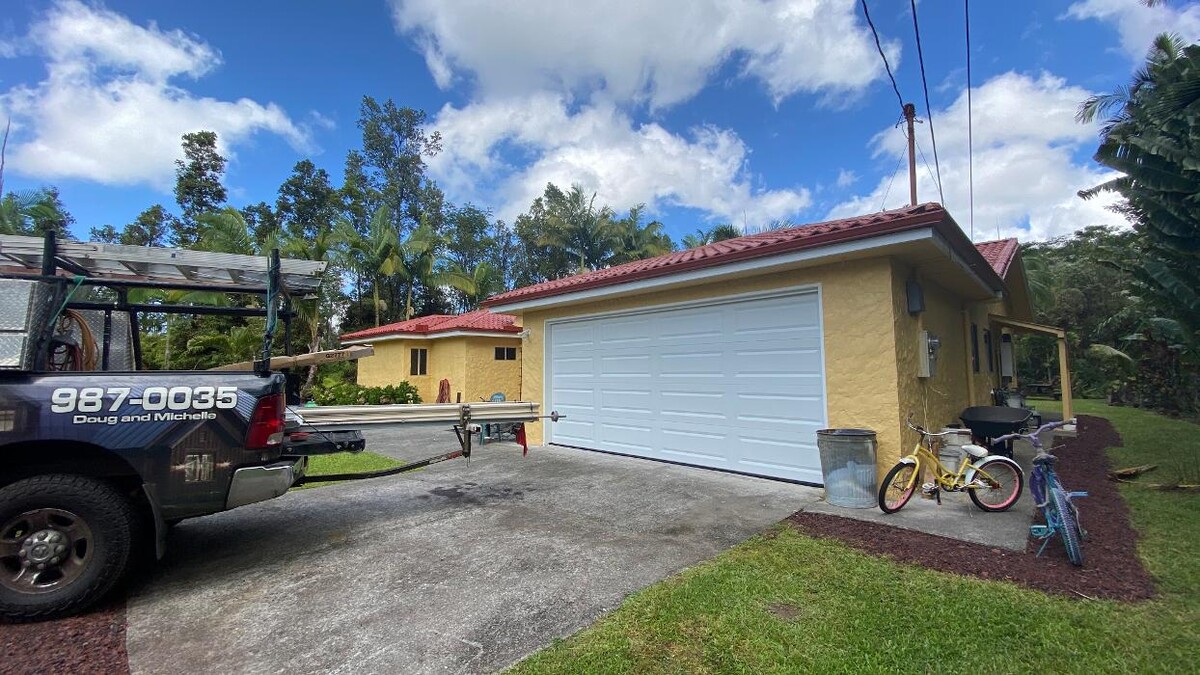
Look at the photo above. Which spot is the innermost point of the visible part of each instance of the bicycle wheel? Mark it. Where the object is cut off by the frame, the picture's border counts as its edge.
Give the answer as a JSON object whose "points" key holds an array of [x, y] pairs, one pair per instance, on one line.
{"points": [[897, 487], [1005, 482], [1069, 527]]}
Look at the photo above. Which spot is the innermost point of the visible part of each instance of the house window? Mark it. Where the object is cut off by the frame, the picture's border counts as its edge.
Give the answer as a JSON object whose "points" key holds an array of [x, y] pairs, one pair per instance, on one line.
{"points": [[418, 361], [987, 344], [506, 353], [974, 348]]}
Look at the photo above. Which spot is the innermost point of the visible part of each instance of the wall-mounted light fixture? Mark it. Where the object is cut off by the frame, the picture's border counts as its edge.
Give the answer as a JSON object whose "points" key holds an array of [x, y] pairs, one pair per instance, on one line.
{"points": [[916, 296]]}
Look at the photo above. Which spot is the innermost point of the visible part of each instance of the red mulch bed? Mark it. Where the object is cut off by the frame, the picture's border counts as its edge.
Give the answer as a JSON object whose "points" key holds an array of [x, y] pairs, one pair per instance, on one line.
{"points": [[89, 643], [1111, 568]]}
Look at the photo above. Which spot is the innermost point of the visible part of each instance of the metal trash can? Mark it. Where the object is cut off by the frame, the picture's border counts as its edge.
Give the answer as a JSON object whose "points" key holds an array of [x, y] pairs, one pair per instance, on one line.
{"points": [[848, 466]]}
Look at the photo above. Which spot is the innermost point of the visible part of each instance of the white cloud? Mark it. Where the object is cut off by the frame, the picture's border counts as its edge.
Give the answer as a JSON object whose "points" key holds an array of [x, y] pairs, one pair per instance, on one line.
{"points": [[1026, 142], [598, 147], [660, 52], [1138, 24], [108, 111], [846, 178]]}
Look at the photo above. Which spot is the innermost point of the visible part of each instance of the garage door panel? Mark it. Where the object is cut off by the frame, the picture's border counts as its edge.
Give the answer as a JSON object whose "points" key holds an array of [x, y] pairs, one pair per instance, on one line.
{"points": [[680, 444], [622, 334], [626, 365], [713, 403], [774, 362], [797, 409], [577, 398], [734, 386], [690, 363], [626, 401], [573, 365], [572, 336], [690, 326]]}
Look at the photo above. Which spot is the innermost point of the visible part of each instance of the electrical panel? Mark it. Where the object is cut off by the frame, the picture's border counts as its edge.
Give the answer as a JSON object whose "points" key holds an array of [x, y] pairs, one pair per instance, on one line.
{"points": [[928, 345]]}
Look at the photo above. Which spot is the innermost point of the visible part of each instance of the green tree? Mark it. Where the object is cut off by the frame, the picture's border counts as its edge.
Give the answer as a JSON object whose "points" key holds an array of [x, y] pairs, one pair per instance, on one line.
{"points": [[473, 285], [581, 229], [395, 146], [198, 186], [1150, 134], [307, 202], [152, 227], [535, 260], [637, 241], [262, 221], [359, 198], [719, 232], [32, 212]]}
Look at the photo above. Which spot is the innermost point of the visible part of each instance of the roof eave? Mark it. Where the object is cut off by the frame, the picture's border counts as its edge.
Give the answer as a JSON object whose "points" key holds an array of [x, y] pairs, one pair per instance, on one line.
{"points": [[819, 242], [369, 339], [715, 272]]}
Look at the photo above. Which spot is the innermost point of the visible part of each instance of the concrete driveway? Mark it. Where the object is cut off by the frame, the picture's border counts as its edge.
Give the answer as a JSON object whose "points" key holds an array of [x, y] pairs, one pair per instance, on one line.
{"points": [[452, 569]]}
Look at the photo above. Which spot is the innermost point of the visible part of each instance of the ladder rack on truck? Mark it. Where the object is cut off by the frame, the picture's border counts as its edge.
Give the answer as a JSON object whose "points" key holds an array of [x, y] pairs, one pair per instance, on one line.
{"points": [[464, 416]]}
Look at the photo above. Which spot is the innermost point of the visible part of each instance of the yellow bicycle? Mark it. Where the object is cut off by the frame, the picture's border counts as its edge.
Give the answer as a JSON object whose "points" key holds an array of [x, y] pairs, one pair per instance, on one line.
{"points": [[993, 482]]}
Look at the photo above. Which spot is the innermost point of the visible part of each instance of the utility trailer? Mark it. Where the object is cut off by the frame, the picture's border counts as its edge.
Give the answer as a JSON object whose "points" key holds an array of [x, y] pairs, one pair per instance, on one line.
{"points": [[98, 458]]}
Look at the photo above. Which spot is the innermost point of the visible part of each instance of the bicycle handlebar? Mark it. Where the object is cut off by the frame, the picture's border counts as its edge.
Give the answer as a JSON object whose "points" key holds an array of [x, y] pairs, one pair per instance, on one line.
{"points": [[1044, 428], [923, 432]]}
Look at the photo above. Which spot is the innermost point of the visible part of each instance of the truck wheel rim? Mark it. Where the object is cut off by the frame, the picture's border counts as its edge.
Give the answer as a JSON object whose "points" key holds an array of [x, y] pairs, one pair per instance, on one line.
{"points": [[43, 550]]}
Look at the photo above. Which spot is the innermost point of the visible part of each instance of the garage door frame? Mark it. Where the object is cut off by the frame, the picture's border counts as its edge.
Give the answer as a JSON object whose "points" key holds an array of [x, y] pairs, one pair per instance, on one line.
{"points": [[798, 290]]}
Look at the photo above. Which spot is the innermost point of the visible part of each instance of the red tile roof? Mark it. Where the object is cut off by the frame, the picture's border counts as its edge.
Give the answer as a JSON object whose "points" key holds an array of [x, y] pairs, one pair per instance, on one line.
{"points": [[755, 246], [999, 254], [479, 321]]}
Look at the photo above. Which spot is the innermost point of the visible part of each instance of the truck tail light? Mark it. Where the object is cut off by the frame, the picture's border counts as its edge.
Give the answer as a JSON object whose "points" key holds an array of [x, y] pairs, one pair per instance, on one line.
{"points": [[266, 424]]}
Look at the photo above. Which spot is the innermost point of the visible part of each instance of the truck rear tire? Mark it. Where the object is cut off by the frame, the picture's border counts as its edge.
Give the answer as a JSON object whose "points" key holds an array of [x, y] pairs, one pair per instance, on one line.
{"points": [[65, 541]]}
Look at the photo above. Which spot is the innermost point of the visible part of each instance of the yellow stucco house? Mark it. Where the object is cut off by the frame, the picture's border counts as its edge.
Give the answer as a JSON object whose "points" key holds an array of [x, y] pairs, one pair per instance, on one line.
{"points": [[734, 354], [478, 352]]}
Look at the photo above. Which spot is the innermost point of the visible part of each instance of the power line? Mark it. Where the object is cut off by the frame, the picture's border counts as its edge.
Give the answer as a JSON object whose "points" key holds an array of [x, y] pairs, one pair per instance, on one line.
{"points": [[970, 138], [928, 168], [883, 203], [879, 46], [928, 109]]}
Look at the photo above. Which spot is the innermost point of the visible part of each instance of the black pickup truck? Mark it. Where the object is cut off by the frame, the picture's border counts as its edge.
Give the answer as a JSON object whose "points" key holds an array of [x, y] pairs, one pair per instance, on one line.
{"points": [[98, 458], [96, 465]]}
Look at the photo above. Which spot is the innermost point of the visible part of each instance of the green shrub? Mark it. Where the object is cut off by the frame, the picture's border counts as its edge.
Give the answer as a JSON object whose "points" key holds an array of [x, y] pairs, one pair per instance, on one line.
{"points": [[348, 393]]}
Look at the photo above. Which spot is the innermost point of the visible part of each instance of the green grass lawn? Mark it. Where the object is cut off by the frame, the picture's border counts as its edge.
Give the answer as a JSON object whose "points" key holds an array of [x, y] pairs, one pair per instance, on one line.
{"points": [[783, 602], [346, 462]]}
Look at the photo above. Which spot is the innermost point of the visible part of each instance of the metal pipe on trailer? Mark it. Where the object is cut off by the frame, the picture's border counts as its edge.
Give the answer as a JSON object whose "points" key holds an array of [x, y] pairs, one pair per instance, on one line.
{"points": [[436, 413]]}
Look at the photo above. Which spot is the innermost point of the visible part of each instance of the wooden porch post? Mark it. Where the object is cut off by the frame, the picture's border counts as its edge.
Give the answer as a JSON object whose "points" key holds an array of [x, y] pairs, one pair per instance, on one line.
{"points": [[1064, 374]]}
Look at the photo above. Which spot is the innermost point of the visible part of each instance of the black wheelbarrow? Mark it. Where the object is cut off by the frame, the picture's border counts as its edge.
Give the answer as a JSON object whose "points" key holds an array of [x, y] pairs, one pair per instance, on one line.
{"points": [[990, 421]]}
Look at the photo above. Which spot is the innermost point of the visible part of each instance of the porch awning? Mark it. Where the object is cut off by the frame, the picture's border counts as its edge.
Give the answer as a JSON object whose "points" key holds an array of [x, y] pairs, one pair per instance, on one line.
{"points": [[1064, 371]]}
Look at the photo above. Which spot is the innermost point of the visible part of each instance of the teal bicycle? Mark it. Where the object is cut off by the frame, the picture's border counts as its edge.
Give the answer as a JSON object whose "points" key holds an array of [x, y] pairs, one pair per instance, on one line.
{"points": [[1054, 500]]}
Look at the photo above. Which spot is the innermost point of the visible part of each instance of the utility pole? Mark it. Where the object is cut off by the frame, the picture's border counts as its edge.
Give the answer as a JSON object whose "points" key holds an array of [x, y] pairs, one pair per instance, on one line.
{"points": [[910, 116]]}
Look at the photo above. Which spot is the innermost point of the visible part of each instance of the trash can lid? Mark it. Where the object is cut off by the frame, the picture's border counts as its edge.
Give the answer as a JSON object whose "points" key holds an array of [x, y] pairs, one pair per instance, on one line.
{"points": [[845, 432]]}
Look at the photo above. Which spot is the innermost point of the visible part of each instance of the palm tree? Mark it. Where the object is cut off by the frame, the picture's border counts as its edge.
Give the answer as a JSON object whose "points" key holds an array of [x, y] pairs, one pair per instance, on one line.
{"points": [[719, 232], [579, 228], [21, 211], [637, 242], [375, 255], [474, 285]]}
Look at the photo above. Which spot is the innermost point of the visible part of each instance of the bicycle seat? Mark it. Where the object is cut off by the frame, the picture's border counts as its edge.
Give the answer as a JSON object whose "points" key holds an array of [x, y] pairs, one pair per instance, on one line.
{"points": [[975, 451]]}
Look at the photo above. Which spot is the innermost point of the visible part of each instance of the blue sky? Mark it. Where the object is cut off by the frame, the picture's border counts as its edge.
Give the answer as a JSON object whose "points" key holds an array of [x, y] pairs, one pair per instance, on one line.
{"points": [[744, 111]]}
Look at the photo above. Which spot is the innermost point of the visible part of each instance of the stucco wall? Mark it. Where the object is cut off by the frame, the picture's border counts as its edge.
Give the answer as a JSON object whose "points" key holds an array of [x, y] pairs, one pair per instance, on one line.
{"points": [[938, 400], [390, 365], [468, 362], [934, 401], [485, 375], [857, 309]]}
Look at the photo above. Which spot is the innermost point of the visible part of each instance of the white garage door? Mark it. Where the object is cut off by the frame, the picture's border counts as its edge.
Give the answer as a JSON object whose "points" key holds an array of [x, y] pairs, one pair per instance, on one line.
{"points": [[736, 386]]}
